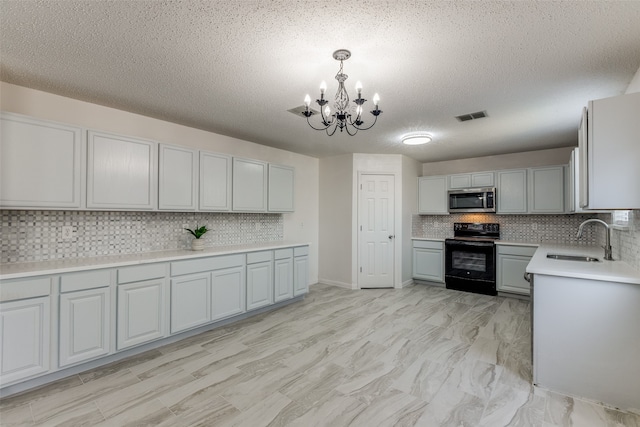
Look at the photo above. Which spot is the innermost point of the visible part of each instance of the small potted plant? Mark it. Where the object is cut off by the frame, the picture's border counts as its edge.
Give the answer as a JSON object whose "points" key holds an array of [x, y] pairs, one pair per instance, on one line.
{"points": [[197, 232]]}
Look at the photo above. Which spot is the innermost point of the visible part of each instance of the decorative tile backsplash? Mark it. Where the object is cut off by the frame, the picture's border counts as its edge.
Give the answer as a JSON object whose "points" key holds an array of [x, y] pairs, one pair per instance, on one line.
{"points": [[558, 229], [37, 235]]}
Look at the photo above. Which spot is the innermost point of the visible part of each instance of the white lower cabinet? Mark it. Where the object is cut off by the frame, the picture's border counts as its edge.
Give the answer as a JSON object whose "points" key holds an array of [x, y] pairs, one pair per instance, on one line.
{"points": [[511, 265], [141, 312], [300, 270], [24, 338], [428, 260], [259, 279], [228, 292], [84, 325], [283, 275], [190, 301]]}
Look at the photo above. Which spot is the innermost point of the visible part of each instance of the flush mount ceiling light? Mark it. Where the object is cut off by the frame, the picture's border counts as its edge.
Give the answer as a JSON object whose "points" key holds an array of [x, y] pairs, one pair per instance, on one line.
{"points": [[346, 117], [417, 139]]}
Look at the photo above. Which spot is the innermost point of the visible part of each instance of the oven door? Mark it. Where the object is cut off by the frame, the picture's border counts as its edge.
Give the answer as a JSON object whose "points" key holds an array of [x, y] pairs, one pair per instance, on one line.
{"points": [[470, 260]]}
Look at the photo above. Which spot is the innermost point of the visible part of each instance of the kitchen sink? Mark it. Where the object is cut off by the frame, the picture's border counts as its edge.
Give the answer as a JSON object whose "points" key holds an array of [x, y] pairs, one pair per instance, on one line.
{"points": [[573, 258]]}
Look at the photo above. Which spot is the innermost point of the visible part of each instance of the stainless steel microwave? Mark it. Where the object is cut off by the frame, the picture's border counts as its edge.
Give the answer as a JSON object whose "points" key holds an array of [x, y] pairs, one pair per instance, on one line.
{"points": [[472, 200]]}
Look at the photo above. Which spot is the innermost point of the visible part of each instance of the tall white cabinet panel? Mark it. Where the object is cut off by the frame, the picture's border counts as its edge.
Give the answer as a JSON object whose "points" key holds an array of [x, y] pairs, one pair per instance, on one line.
{"points": [[512, 191], [190, 301], [546, 190], [177, 178], [283, 275], [612, 151], [121, 172], [40, 163], [24, 338], [228, 292], [259, 285], [141, 309], [84, 325], [280, 198], [300, 270], [432, 195], [249, 185], [215, 182]]}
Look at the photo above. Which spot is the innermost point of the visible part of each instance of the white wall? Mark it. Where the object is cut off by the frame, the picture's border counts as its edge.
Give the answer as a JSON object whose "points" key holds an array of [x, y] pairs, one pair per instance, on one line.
{"points": [[554, 156], [302, 225], [336, 194], [634, 86], [411, 169]]}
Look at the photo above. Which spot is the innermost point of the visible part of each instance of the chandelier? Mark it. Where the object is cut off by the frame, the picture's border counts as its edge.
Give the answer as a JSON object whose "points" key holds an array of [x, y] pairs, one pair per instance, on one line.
{"points": [[345, 117]]}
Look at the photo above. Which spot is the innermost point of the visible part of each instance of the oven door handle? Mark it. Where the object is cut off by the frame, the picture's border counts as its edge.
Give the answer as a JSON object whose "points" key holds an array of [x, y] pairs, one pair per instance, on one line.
{"points": [[474, 244]]}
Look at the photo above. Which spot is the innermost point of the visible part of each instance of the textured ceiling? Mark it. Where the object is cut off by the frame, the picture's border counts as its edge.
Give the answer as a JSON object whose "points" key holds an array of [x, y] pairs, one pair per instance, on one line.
{"points": [[236, 67]]}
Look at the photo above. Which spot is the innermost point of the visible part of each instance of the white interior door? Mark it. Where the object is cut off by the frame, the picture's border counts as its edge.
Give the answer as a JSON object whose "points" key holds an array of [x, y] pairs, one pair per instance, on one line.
{"points": [[376, 231]]}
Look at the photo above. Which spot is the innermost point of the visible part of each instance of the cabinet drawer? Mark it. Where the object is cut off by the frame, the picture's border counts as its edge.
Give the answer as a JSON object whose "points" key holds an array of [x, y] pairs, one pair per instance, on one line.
{"points": [[140, 273], [301, 250], [85, 280], [516, 250], [206, 264], [428, 244], [262, 256], [26, 288], [283, 253]]}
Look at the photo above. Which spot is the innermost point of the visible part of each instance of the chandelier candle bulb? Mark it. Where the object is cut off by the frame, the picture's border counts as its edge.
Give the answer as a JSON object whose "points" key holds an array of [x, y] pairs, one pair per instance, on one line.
{"points": [[323, 87], [307, 100], [359, 88], [376, 100]]}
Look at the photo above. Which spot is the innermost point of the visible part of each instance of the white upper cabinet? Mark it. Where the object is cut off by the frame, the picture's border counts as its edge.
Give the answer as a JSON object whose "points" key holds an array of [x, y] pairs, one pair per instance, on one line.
{"points": [[512, 191], [249, 185], [472, 180], [215, 182], [121, 172], [280, 188], [610, 153], [546, 190], [40, 163], [177, 178], [432, 195]]}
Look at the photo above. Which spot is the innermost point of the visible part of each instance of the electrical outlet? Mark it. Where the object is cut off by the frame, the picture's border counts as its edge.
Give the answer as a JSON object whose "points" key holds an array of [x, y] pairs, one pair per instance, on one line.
{"points": [[534, 226], [67, 232]]}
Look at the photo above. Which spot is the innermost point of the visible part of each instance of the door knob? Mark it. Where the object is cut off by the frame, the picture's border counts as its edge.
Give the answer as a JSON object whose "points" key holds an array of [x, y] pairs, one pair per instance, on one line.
{"points": [[391, 236]]}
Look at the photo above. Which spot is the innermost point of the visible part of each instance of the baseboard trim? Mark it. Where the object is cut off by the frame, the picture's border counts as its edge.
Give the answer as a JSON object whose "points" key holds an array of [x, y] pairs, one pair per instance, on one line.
{"points": [[337, 283]]}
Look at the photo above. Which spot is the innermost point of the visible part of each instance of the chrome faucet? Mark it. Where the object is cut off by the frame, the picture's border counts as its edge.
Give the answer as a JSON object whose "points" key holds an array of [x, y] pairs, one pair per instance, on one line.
{"points": [[607, 246]]}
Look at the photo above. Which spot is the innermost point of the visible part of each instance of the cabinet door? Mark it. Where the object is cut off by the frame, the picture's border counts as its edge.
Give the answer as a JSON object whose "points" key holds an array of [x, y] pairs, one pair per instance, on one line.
{"points": [[512, 191], [428, 264], [283, 279], [432, 195], [582, 163], [177, 178], [215, 182], [280, 188], [249, 185], [228, 292], [84, 325], [24, 339], [40, 163], [510, 274], [546, 190], [121, 172], [259, 285], [460, 181], [483, 179], [141, 312], [190, 301], [300, 275]]}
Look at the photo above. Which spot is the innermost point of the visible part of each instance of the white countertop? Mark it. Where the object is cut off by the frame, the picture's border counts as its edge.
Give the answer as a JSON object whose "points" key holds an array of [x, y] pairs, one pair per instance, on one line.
{"points": [[41, 268], [609, 271], [513, 243]]}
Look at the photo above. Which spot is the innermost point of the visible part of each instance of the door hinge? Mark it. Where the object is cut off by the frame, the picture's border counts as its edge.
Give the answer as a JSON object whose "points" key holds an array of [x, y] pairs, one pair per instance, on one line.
{"points": [[360, 269], [360, 228], [361, 186]]}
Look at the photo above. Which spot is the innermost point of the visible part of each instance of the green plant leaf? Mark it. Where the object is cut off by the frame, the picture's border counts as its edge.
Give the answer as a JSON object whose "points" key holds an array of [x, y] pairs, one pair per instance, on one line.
{"points": [[197, 232]]}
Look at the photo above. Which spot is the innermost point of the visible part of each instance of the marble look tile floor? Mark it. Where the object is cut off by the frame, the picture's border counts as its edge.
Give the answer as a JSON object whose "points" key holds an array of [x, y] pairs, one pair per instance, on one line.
{"points": [[419, 356]]}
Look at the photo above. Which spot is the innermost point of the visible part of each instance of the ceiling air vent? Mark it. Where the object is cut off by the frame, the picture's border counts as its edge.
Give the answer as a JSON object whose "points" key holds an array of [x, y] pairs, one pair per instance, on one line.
{"points": [[472, 116]]}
